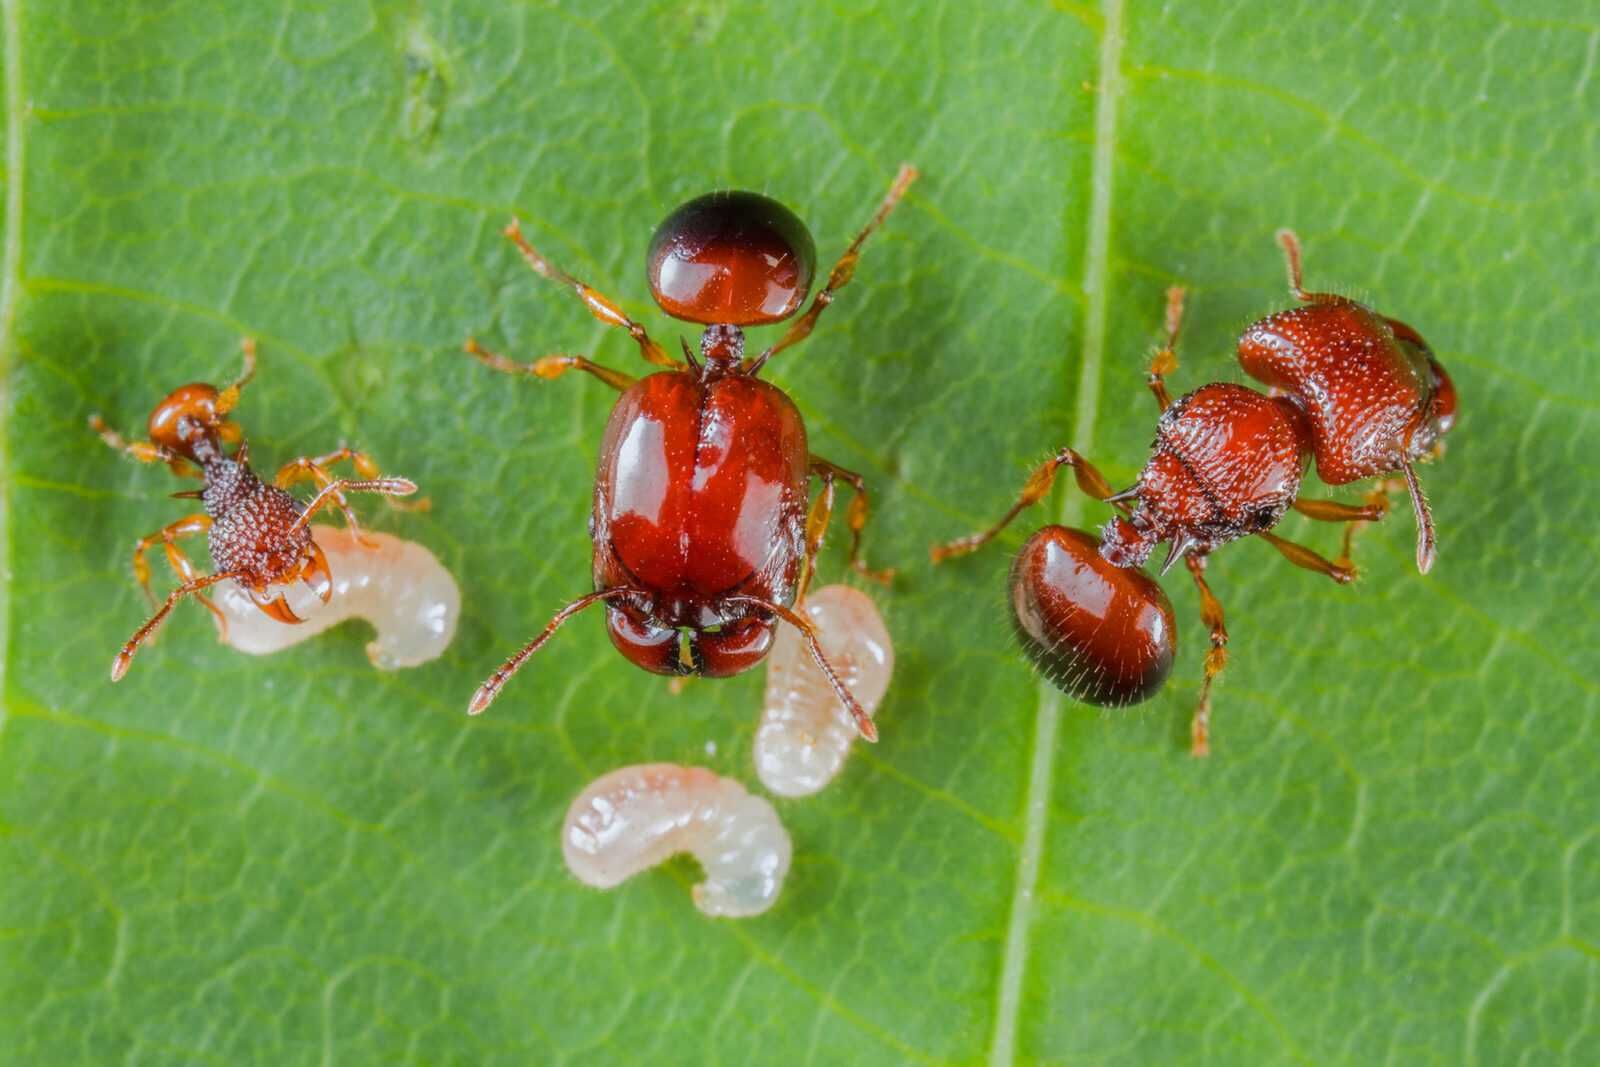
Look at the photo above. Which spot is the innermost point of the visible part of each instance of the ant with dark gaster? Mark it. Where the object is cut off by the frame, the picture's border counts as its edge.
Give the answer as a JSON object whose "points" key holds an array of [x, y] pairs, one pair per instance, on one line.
{"points": [[258, 534], [703, 537], [1356, 391]]}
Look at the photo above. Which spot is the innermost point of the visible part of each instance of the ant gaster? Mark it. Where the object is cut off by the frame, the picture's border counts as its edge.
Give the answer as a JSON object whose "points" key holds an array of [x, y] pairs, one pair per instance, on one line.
{"points": [[259, 535], [702, 534], [1360, 393]]}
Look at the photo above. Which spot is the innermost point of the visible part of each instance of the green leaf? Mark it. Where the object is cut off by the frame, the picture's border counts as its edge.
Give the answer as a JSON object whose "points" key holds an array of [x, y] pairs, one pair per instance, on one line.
{"points": [[1393, 855]]}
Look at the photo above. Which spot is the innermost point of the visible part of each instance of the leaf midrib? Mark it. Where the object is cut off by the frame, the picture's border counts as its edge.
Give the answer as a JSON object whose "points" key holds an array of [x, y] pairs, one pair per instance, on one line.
{"points": [[1041, 769], [10, 293]]}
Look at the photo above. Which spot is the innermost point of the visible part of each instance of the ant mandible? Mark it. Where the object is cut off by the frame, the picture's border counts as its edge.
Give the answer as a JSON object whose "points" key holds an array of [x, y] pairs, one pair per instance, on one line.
{"points": [[1360, 393], [702, 534], [259, 535]]}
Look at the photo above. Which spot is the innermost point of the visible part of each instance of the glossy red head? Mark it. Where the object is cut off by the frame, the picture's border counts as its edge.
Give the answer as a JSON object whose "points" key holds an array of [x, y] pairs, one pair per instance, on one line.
{"points": [[1373, 394], [189, 414], [195, 416], [1101, 633], [731, 258], [1227, 463]]}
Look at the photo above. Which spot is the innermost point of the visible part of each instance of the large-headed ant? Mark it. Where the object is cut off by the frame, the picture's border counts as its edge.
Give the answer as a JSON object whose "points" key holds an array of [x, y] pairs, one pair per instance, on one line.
{"points": [[1359, 392], [702, 533], [259, 535]]}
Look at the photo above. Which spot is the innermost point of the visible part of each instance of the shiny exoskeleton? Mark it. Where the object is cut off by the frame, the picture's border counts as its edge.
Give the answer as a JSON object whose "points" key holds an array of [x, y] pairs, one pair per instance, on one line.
{"points": [[703, 535], [258, 534], [1359, 393], [1101, 632]]}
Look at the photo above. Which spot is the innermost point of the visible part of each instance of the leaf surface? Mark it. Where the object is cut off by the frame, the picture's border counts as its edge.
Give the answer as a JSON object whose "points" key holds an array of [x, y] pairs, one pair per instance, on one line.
{"points": [[1392, 856]]}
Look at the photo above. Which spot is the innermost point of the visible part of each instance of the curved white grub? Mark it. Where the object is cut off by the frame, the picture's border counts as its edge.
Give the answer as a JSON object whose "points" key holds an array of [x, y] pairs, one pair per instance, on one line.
{"points": [[804, 734], [634, 818], [398, 586]]}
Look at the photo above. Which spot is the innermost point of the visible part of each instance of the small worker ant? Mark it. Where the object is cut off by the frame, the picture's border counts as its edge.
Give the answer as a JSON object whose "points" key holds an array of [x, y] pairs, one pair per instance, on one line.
{"points": [[259, 535], [1360, 393]]}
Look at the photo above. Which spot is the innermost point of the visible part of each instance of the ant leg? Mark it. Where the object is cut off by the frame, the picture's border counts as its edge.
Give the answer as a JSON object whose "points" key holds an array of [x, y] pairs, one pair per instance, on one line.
{"points": [[1340, 571], [599, 305], [186, 573], [856, 518], [1374, 508], [334, 492], [863, 721], [817, 520], [124, 658], [491, 688], [1090, 480], [1216, 659], [167, 537], [841, 274], [1166, 357], [549, 367], [185, 527], [304, 468], [1335, 511], [143, 451], [316, 469]]}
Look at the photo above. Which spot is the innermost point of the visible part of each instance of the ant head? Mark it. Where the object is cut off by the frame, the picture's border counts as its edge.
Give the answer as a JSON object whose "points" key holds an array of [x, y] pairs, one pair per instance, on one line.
{"points": [[193, 413], [731, 258]]}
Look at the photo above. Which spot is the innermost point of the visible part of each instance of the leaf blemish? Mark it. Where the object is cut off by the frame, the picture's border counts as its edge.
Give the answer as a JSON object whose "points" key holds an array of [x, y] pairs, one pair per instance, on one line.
{"points": [[427, 86]]}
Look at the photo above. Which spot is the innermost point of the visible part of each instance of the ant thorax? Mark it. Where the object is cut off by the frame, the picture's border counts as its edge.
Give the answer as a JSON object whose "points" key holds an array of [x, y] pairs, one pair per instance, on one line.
{"points": [[255, 524], [227, 481], [1227, 463]]}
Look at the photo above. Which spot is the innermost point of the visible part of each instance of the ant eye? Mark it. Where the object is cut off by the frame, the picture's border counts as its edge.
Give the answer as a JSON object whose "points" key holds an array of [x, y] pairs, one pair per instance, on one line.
{"points": [[733, 258]]}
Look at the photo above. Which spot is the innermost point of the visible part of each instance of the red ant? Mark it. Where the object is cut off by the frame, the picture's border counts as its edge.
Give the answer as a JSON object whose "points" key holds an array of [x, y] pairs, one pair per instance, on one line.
{"points": [[702, 535], [1359, 392], [258, 534]]}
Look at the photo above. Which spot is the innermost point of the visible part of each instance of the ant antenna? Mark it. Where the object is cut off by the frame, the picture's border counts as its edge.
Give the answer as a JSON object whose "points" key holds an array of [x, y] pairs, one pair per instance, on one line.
{"points": [[228, 399], [1427, 541]]}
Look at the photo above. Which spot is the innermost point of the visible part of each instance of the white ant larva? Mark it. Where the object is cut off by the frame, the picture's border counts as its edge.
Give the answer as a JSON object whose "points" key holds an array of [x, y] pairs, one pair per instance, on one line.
{"points": [[634, 818], [804, 735], [398, 586]]}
